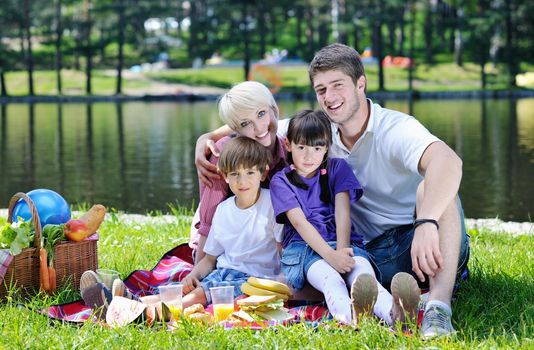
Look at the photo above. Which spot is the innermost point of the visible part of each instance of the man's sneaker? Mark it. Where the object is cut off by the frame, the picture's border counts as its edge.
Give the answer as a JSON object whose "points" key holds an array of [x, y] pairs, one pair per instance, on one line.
{"points": [[97, 297], [88, 279], [436, 323], [363, 293], [406, 296]]}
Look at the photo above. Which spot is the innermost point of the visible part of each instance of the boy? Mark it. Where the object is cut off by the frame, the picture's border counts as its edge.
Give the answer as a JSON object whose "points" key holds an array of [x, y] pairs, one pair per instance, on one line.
{"points": [[244, 237]]}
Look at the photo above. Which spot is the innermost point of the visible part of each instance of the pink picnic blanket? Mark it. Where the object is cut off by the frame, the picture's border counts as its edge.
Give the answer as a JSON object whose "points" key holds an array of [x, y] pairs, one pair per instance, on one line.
{"points": [[172, 267]]}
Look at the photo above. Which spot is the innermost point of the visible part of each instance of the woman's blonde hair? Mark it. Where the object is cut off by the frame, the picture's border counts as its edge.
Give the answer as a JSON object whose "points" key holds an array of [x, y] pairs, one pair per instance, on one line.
{"points": [[244, 99]]}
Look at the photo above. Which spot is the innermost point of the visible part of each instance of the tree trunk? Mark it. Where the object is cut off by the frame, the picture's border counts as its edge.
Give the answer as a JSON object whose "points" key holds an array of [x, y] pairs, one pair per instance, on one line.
{"points": [[3, 88], [274, 26], [428, 34], [402, 24], [27, 29], [510, 49], [88, 48], [192, 44], [378, 40], [262, 27], [298, 30], [482, 75], [412, 44], [179, 14], [391, 36], [309, 34], [356, 37], [59, 35], [458, 40], [323, 27], [246, 61], [343, 37], [120, 58]]}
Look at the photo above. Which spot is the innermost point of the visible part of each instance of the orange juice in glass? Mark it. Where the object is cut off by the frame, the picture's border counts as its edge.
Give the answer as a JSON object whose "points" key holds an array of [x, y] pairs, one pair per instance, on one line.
{"points": [[223, 302], [171, 296], [176, 310], [222, 311]]}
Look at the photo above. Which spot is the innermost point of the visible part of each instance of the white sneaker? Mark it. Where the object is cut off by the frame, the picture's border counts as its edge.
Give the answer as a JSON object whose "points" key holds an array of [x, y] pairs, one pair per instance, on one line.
{"points": [[436, 323]]}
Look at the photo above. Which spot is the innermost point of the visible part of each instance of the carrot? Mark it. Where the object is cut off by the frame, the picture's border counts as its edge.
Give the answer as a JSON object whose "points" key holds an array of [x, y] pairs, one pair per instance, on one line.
{"points": [[52, 275], [43, 269]]}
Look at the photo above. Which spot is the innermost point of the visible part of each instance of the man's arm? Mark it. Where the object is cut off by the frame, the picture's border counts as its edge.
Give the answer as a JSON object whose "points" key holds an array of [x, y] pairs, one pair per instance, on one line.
{"points": [[442, 171], [204, 147]]}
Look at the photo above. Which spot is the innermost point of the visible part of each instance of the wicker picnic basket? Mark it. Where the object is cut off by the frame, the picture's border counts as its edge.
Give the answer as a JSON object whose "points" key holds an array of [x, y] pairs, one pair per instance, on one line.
{"points": [[71, 259]]}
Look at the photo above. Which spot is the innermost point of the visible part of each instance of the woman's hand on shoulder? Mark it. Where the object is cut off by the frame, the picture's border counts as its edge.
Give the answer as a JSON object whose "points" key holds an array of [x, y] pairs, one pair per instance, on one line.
{"points": [[206, 170]]}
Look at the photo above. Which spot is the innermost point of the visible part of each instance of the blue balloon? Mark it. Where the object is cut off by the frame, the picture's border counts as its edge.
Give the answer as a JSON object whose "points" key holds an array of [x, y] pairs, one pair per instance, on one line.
{"points": [[51, 207]]}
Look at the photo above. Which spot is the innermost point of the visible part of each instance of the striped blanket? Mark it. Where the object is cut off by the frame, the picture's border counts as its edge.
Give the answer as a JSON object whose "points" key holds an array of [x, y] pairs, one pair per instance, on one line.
{"points": [[172, 267]]}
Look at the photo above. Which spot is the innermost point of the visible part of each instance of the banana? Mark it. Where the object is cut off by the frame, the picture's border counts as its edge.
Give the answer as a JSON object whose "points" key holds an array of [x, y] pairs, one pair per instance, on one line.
{"points": [[251, 290], [271, 285]]}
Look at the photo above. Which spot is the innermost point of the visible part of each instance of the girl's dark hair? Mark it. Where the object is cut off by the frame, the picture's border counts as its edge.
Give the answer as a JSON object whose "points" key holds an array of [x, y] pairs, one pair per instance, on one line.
{"points": [[310, 128]]}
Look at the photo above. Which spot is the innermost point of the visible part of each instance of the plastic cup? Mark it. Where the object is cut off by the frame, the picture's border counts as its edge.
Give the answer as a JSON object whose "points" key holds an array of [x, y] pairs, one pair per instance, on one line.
{"points": [[107, 276], [223, 302], [171, 296]]}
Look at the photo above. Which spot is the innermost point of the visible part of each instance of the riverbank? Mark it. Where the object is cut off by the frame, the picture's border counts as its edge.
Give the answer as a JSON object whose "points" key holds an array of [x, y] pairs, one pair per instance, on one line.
{"points": [[194, 94], [437, 81], [493, 225]]}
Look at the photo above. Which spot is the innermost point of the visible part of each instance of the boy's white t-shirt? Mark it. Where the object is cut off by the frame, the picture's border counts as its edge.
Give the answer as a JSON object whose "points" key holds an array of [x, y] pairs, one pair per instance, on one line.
{"points": [[246, 239]]}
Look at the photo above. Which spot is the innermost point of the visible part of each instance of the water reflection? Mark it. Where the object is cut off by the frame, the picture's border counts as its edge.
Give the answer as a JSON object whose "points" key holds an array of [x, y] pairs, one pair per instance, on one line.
{"points": [[139, 156]]}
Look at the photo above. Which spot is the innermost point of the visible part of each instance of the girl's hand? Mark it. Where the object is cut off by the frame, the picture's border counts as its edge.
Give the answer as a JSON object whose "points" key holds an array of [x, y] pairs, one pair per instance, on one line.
{"points": [[189, 284], [341, 260]]}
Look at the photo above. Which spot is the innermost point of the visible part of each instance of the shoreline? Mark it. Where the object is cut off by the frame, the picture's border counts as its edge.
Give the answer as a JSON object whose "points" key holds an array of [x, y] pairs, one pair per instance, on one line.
{"points": [[493, 225], [195, 94]]}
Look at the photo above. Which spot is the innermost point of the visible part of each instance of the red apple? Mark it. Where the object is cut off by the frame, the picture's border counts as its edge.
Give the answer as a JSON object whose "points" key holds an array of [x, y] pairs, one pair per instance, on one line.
{"points": [[76, 230]]}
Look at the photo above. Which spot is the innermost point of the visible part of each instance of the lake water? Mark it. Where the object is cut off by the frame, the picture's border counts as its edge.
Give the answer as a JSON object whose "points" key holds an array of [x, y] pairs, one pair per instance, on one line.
{"points": [[138, 156]]}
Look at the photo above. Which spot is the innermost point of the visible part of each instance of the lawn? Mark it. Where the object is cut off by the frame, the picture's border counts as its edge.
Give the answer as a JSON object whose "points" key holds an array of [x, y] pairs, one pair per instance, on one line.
{"points": [[494, 309]]}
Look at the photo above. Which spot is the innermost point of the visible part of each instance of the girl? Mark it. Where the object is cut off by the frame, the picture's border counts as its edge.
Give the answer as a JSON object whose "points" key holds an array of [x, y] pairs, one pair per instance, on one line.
{"points": [[312, 198]]}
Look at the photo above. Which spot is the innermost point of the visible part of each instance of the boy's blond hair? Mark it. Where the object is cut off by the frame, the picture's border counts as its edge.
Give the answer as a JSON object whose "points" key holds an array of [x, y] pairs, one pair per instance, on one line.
{"points": [[242, 151], [244, 99]]}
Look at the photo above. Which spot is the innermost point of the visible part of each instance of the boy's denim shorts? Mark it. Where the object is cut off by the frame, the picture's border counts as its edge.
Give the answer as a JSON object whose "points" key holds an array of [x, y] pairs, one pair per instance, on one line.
{"points": [[223, 277], [298, 256], [391, 253]]}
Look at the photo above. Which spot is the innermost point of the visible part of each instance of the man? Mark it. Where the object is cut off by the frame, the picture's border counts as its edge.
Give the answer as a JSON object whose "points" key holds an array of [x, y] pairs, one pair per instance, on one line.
{"points": [[405, 171]]}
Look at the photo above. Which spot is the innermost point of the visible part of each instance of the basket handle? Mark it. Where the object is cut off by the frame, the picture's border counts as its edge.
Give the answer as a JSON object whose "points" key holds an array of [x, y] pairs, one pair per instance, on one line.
{"points": [[35, 216]]}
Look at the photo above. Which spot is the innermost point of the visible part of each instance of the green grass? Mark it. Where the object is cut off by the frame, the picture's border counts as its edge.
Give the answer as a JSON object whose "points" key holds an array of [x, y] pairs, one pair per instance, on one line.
{"points": [[436, 77], [73, 83], [494, 309]]}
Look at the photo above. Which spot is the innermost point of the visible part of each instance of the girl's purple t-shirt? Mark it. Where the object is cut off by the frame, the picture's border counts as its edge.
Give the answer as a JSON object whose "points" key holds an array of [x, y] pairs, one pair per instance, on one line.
{"points": [[286, 196]]}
